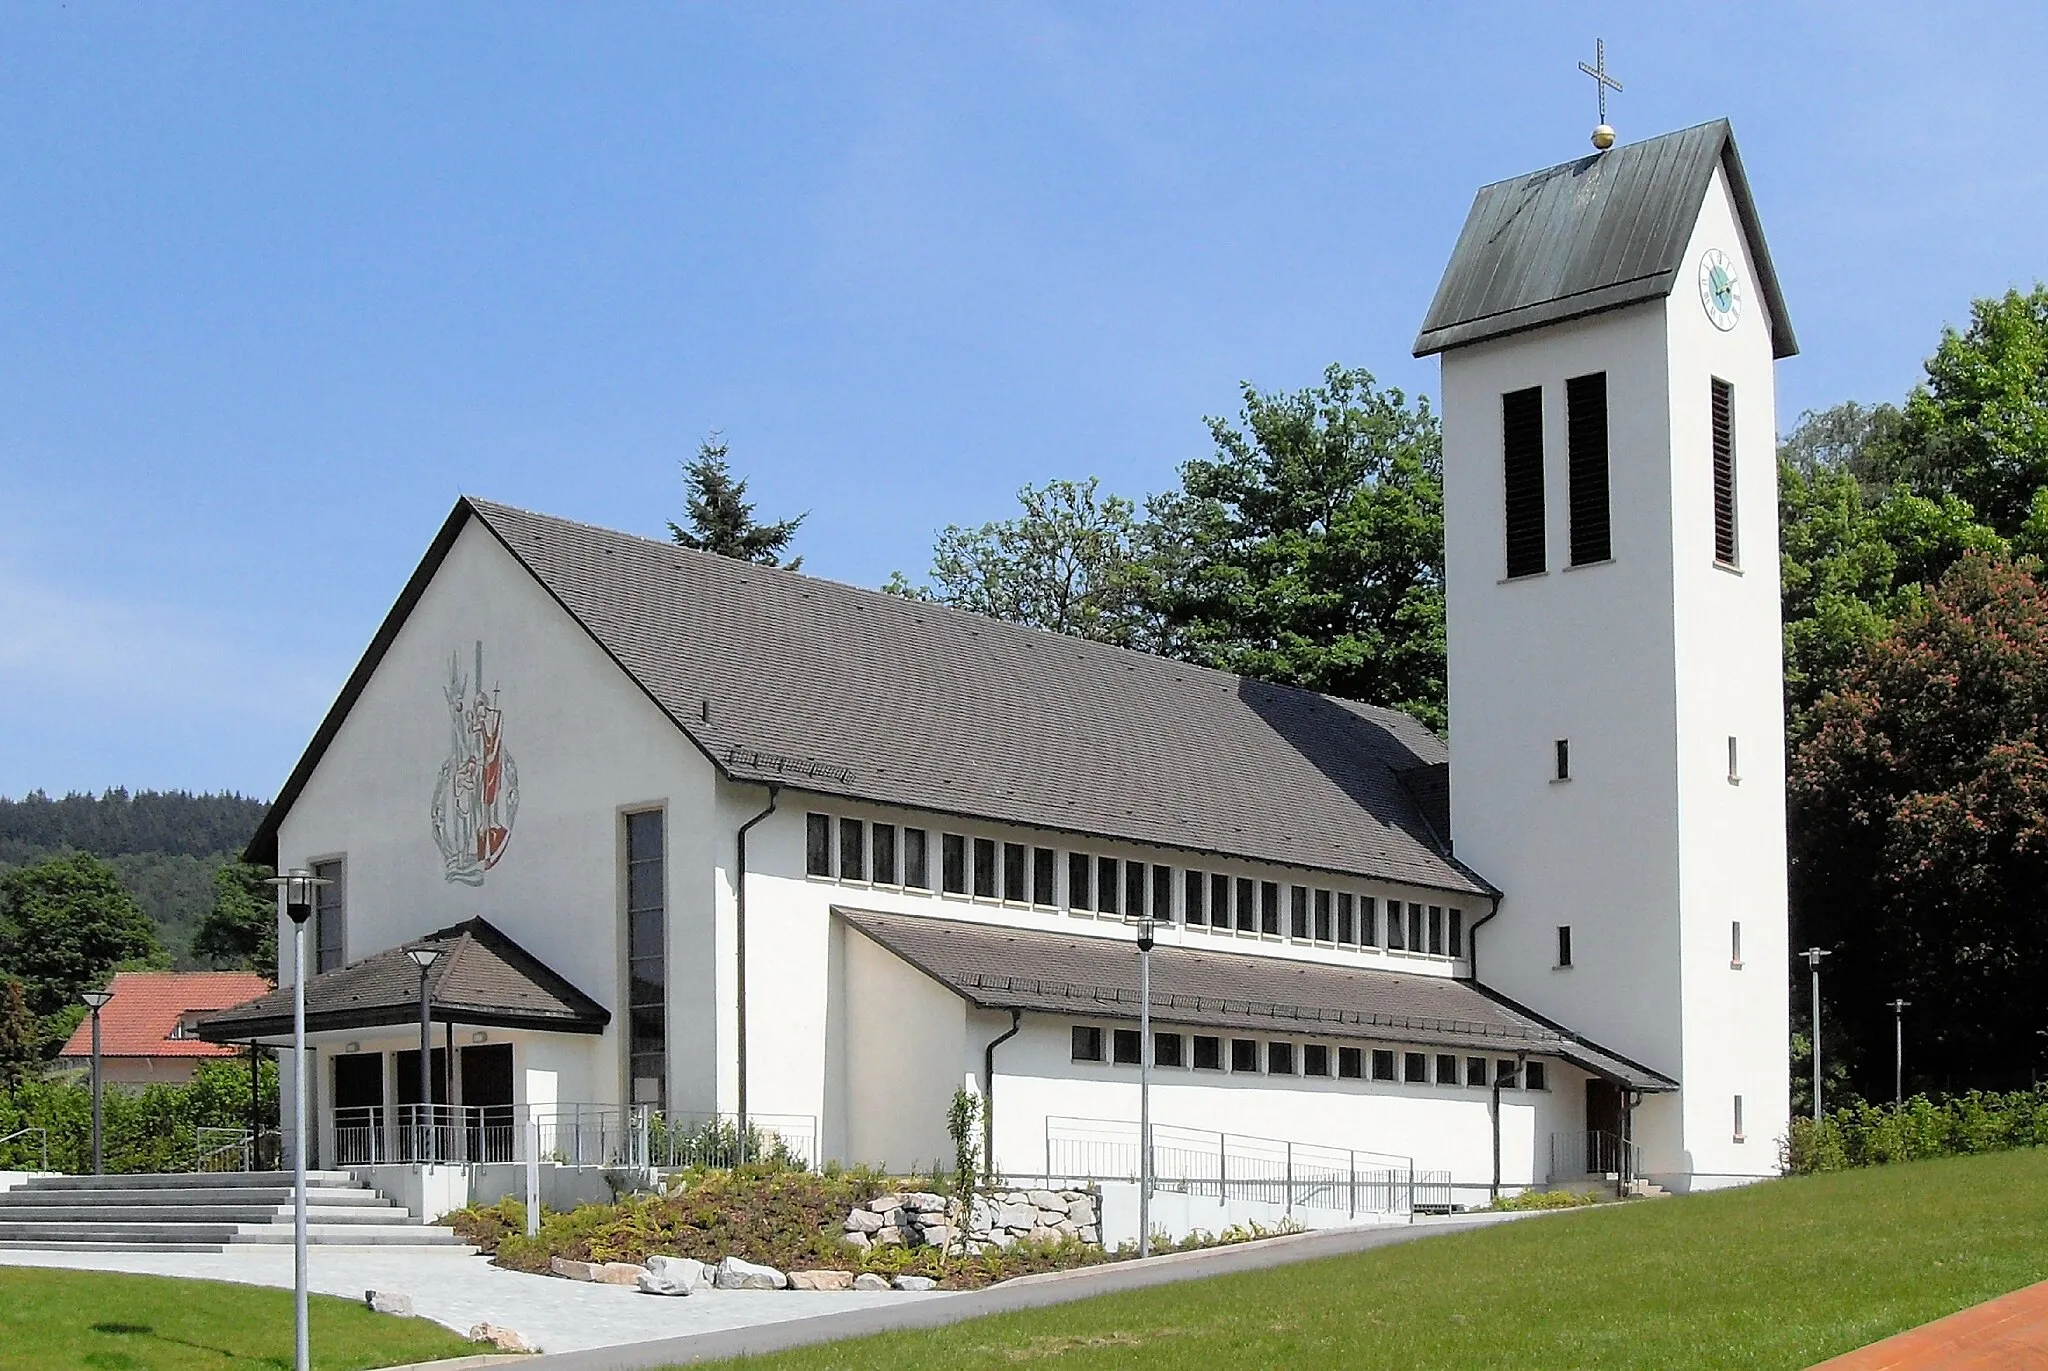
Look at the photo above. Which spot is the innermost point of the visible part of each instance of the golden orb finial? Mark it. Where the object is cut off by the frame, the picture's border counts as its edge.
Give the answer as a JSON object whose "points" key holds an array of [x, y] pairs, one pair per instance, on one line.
{"points": [[1603, 137]]}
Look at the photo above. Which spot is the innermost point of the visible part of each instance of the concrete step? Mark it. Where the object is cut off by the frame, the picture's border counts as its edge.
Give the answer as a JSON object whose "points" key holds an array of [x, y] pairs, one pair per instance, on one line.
{"points": [[76, 1245], [351, 1234], [197, 1180], [200, 1213], [152, 1233], [21, 1197]]}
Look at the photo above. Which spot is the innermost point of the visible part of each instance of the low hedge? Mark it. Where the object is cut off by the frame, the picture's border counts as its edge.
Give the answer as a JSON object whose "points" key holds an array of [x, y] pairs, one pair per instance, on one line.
{"points": [[1877, 1134], [152, 1129]]}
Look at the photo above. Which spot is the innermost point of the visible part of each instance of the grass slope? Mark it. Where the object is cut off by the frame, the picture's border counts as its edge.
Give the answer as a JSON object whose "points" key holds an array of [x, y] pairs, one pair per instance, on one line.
{"points": [[1782, 1274], [60, 1320]]}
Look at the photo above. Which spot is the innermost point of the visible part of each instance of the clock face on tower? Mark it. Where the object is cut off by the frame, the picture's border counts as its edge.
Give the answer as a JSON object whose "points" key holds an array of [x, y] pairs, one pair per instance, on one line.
{"points": [[1720, 289]]}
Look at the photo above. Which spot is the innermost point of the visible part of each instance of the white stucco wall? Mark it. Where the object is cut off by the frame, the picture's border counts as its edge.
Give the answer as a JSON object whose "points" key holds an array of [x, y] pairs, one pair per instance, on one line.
{"points": [[1646, 663], [902, 1044], [588, 747]]}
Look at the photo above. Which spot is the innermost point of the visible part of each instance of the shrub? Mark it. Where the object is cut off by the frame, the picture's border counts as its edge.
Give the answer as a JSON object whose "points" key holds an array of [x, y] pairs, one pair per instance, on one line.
{"points": [[153, 1129], [1875, 1135], [1545, 1199]]}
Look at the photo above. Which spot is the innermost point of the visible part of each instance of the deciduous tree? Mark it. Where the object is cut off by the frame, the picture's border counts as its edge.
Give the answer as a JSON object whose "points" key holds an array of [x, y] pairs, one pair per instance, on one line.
{"points": [[66, 923], [240, 931]]}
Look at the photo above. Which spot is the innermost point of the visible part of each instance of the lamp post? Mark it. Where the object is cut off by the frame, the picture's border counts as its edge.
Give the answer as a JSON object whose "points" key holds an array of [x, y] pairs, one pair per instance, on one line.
{"points": [[1899, 1008], [424, 958], [1813, 956], [296, 889], [96, 1000], [1144, 924]]}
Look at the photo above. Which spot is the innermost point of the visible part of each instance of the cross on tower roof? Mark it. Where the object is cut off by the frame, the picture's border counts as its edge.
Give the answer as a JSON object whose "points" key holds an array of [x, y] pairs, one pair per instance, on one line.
{"points": [[1603, 136]]}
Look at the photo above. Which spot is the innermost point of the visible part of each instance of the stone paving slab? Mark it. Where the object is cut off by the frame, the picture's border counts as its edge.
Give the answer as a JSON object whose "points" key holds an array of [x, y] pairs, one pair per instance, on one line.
{"points": [[2009, 1333], [460, 1291]]}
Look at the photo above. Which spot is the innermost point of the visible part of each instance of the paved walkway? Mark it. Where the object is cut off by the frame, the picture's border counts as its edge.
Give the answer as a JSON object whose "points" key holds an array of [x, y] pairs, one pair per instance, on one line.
{"points": [[2009, 1333], [462, 1291]]}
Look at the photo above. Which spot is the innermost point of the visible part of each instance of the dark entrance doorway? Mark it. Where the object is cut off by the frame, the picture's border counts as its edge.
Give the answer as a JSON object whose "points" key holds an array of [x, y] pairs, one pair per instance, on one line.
{"points": [[1604, 1127], [487, 1102], [358, 1107]]}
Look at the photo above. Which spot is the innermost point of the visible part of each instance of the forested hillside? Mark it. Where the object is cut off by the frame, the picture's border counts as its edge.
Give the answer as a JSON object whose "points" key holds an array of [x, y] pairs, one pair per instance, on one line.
{"points": [[164, 845]]}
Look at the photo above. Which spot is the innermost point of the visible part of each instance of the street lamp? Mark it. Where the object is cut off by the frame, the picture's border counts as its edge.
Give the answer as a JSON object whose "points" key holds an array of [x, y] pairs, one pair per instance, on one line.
{"points": [[96, 1000], [1899, 1008], [1144, 924], [424, 957], [296, 889], [1813, 956]]}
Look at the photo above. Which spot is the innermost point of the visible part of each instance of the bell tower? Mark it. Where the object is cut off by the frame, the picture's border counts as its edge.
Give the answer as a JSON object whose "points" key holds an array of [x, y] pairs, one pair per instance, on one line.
{"points": [[1607, 330]]}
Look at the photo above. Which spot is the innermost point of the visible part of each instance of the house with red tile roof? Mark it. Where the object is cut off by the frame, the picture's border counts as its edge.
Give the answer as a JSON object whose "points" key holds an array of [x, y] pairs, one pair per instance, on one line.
{"points": [[146, 1030]]}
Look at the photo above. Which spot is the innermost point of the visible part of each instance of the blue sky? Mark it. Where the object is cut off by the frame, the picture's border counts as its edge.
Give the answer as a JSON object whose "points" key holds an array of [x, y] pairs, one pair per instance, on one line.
{"points": [[278, 282]]}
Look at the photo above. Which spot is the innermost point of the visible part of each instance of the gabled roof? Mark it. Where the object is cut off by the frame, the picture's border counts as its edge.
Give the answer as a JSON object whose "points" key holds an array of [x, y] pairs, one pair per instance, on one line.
{"points": [[148, 1006], [783, 678], [482, 978], [1091, 976], [1595, 234]]}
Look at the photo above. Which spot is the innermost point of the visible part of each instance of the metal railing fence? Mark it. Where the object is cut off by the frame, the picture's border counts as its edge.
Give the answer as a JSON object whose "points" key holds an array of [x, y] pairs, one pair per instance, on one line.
{"points": [[1238, 1166], [569, 1134], [1595, 1154]]}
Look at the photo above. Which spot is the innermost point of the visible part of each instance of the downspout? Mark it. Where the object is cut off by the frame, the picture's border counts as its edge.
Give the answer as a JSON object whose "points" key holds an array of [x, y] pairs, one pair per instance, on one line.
{"points": [[740, 952], [988, 1097]]}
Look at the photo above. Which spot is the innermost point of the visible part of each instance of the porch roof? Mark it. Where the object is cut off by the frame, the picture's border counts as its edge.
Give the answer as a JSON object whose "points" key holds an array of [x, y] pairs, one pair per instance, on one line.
{"points": [[482, 977], [1096, 977]]}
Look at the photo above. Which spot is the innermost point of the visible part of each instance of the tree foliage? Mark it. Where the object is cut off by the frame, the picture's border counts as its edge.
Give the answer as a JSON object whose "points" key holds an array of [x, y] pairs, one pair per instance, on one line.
{"points": [[721, 518], [1308, 549], [20, 1036], [1919, 804], [65, 924], [1072, 561], [116, 822], [239, 933]]}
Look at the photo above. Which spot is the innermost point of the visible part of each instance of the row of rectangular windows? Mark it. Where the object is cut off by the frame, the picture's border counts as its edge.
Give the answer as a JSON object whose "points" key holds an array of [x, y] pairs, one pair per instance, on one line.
{"points": [[1278, 1057], [1017, 873], [1586, 443]]}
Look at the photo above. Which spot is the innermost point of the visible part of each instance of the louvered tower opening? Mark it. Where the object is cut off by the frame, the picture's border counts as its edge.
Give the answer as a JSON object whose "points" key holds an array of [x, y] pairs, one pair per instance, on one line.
{"points": [[1586, 452], [1725, 548], [1521, 416]]}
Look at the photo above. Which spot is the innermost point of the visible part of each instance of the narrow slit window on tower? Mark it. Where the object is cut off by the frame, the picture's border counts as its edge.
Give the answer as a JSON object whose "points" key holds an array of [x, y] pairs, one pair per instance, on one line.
{"points": [[1521, 432], [1564, 760], [1585, 406], [1564, 944], [1735, 945], [1738, 1118], [1726, 544], [1734, 763]]}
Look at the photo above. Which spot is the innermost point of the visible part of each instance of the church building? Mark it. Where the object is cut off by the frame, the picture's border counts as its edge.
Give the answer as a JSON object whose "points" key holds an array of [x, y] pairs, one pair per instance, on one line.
{"points": [[685, 840]]}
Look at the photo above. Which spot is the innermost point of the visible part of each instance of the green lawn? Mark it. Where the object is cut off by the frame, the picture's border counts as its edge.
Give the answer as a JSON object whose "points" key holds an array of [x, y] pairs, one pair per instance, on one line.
{"points": [[1782, 1274], [60, 1320]]}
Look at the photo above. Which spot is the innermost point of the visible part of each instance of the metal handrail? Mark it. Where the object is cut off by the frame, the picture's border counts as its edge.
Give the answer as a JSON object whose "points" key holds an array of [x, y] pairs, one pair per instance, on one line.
{"points": [[42, 1133]]}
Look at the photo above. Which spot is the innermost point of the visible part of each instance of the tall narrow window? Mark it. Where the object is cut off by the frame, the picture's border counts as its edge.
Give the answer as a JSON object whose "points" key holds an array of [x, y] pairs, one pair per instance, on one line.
{"points": [[330, 917], [1436, 930], [1042, 869], [1219, 900], [985, 868], [1368, 921], [1564, 944], [1521, 431], [1247, 913], [646, 959], [817, 844], [1324, 933], [1269, 908], [1726, 546], [1162, 893], [1106, 885], [1564, 760], [915, 873], [1079, 868], [1134, 889], [1395, 942], [1735, 945], [853, 850], [1297, 912], [1457, 932], [1415, 928], [1193, 910], [885, 854], [1585, 406], [1734, 762], [1347, 917], [1738, 1118], [1015, 856], [953, 864]]}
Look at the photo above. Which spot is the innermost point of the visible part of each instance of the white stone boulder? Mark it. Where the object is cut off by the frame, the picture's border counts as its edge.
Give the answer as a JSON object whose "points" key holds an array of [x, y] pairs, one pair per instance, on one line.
{"points": [[619, 1273], [1081, 1210], [868, 1280], [504, 1339], [572, 1269], [865, 1221], [673, 1276], [1045, 1199], [388, 1302], [821, 1280], [735, 1274], [915, 1283]]}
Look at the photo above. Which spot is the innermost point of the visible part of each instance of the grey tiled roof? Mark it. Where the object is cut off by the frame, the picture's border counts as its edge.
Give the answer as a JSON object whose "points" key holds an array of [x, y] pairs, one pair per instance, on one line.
{"points": [[1091, 976], [841, 691], [1594, 234], [482, 978]]}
